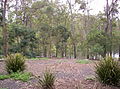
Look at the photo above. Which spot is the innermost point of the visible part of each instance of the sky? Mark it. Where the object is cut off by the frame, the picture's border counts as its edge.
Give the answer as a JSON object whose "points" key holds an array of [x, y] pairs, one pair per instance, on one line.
{"points": [[95, 5]]}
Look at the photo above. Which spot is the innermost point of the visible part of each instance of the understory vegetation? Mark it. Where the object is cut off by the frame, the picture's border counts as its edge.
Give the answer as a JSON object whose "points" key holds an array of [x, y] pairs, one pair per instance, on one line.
{"points": [[47, 81], [32, 30], [15, 63], [17, 76], [46, 28], [108, 71]]}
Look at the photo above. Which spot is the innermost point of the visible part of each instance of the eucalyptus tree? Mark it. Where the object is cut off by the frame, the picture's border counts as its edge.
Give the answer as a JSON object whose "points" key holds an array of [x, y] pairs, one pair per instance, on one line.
{"points": [[110, 12], [4, 28]]}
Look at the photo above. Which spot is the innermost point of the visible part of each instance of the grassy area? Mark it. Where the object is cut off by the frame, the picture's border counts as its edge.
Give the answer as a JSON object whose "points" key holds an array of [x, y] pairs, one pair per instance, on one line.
{"points": [[83, 61], [42, 58], [17, 76], [2, 77]]}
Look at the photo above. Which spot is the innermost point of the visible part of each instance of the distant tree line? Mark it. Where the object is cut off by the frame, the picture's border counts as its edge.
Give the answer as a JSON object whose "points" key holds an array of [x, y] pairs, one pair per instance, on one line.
{"points": [[51, 29]]}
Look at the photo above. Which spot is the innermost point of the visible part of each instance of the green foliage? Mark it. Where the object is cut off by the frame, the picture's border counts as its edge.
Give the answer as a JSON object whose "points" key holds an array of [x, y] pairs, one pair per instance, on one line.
{"points": [[22, 40], [21, 76], [47, 82], [108, 71], [83, 61], [17, 76], [15, 63], [42, 58], [46, 28], [96, 49], [97, 42], [2, 77]]}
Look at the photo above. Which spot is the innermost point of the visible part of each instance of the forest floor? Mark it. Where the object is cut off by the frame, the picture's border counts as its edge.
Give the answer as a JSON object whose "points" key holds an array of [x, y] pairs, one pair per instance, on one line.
{"points": [[69, 75]]}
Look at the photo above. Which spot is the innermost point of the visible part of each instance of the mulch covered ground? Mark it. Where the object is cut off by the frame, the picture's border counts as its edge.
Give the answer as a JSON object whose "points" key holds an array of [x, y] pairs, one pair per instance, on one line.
{"points": [[69, 75]]}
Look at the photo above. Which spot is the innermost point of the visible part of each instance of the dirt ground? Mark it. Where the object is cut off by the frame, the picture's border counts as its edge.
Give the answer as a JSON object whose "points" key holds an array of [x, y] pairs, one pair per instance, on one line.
{"points": [[69, 75]]}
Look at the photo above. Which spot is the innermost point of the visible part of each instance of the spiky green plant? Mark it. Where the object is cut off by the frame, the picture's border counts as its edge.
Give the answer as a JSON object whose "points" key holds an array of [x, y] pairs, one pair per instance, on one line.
{"points": [[108, 71], [47, 82], [15, 63]]}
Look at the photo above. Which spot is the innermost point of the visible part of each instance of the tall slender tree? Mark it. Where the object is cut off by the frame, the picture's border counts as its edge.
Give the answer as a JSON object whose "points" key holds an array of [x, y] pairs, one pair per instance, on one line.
{"points": [[5, 34]]}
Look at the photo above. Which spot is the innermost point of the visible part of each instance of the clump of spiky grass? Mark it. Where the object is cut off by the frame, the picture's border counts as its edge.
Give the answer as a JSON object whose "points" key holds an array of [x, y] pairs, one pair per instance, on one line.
{"points": [[15, 63], [108, 71], [47, 81]]}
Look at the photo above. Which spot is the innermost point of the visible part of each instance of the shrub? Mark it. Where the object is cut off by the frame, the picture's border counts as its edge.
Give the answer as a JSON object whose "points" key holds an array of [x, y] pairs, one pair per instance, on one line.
{"points": [[108, 71], [21, 76], [2, 77], [17, 76], [47, 82], [15, 63]]}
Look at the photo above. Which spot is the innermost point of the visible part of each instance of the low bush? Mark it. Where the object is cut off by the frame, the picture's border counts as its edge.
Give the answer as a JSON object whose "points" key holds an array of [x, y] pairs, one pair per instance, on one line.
{"points": [[108, 71], [2, 77], [47, 82], [15, 63], [17, 76], [21, 76]]}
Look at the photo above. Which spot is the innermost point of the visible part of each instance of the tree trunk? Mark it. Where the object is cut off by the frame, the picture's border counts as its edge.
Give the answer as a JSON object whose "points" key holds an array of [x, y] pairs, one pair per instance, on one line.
{"points": [[56, 54], [45, 51], [105, 52], [16, 11], [50, 54], [88, 56], [65, 50], [62, 53], [119, 52], [5, 34], [74, 48]]}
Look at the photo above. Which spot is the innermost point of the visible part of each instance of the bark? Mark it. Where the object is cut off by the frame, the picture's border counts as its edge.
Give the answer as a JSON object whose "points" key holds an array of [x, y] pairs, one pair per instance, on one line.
{"points": [[62, 53], [119, 52], [75, 52], [105, 52], [16, 10], [50, 54], [65, 50], [5, 34], [88, 56], [109, 14], [56, 52], [45, 52]]}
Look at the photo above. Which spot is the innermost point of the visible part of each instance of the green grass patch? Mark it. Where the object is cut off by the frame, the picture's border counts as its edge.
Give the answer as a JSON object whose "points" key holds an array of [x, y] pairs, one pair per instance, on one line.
{"points": [[42, 58], [21, 76], [17, 76], [83, 61], [2, 77]]}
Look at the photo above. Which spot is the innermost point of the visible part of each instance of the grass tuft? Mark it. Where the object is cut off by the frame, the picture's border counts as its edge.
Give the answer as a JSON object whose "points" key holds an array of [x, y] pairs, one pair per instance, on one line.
{"points": [[47, 82]]}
